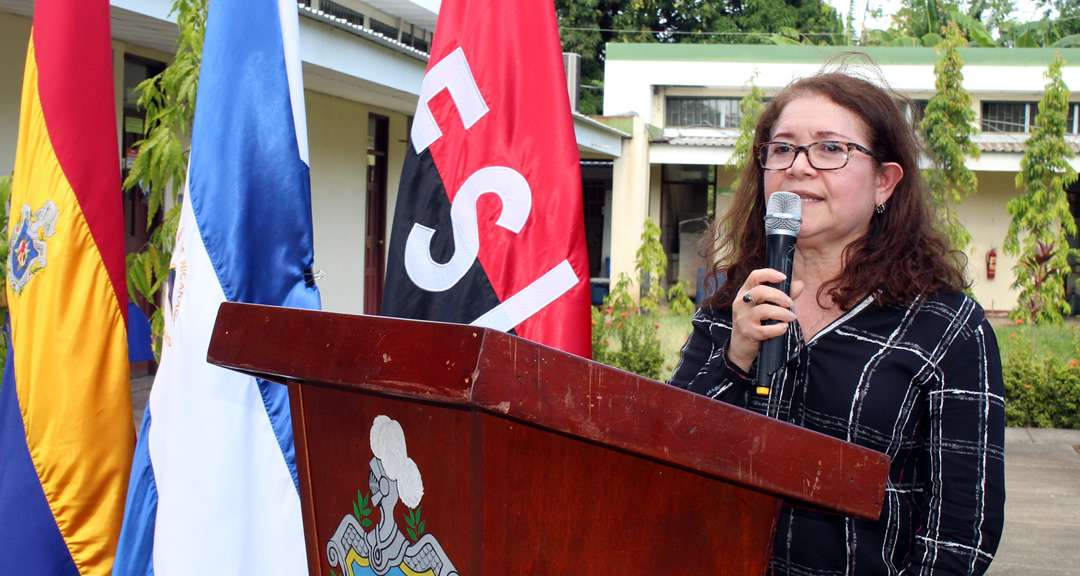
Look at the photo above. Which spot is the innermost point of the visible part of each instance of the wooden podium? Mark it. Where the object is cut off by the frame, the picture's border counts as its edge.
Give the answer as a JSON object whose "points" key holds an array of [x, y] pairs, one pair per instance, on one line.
{"points": [[532, 461]]}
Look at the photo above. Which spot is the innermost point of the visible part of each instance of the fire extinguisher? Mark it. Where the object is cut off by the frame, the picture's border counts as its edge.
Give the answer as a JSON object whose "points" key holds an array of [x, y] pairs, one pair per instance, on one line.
{"points": [[991, 263]]}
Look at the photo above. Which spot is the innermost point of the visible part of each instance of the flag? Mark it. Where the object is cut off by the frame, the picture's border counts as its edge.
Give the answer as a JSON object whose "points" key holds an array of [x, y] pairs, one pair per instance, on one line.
{"points": [[214, 486], [493, 117], [66, 431]]}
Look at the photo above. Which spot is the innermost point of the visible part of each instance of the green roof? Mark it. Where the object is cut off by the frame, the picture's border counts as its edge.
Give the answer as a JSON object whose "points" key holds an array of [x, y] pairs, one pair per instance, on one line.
{"points": [[818, 54]]}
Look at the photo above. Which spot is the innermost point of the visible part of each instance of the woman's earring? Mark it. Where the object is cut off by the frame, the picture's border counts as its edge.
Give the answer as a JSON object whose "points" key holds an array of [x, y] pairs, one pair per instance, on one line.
{"points": [[880, 209]]}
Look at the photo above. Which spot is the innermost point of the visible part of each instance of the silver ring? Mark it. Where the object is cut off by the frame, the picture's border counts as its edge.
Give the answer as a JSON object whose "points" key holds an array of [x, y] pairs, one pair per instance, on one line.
{"points": [[748, 298]]}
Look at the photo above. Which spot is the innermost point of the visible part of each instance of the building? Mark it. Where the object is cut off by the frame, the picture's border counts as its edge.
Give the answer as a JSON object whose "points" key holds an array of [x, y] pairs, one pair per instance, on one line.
{"points": [[363, 65], [681, 104]]}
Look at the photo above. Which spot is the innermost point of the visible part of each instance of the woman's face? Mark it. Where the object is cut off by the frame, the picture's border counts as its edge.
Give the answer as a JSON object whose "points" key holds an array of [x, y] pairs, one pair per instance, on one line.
{"points": [[837, 204]]}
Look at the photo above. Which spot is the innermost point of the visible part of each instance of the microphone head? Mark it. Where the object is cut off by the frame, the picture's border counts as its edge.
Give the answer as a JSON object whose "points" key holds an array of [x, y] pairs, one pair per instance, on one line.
{"points": [[783, 214]]}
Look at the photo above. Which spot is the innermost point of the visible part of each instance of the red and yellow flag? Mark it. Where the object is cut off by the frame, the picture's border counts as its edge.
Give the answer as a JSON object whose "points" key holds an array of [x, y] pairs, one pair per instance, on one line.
{"points": [[66, 431]]}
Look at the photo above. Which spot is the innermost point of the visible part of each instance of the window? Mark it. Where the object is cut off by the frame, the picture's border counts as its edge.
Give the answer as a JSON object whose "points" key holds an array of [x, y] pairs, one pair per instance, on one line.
{"points": [[703, 112], [1008, 116], [338, 11], [384, 29], [1020, 117], [415, 38], [919, 111]]}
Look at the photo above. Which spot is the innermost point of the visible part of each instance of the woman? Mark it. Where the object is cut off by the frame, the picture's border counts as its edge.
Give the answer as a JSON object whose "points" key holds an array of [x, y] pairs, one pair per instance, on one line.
{"points": [[884, 349]]}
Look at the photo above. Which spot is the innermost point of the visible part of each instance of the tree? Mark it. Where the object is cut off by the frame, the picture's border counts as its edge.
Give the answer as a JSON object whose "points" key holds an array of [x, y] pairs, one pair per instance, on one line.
{"points": [[918, 23], [169, 101], [586, 26], [1042, 210], [750, 108], [1058, 27], [651, 264], [946, 131]]}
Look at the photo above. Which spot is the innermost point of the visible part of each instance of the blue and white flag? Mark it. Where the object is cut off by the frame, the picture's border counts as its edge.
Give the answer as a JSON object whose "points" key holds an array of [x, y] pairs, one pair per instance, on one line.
{"points": [[213, 487]]}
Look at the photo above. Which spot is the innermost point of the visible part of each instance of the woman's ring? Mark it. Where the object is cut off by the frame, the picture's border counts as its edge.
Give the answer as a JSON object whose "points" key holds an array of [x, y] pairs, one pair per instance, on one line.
{"points": [[748, 298]]}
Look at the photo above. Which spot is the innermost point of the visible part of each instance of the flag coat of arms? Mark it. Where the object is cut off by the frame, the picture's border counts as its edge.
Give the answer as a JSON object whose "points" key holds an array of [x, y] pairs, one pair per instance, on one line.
{"points": [[66, 431], [489, 228], [214, 484]]}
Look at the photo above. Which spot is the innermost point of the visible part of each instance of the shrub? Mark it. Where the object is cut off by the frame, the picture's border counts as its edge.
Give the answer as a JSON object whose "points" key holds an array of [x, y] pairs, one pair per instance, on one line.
{"points": [[1041, 393], [623, 338], [679, 297]]}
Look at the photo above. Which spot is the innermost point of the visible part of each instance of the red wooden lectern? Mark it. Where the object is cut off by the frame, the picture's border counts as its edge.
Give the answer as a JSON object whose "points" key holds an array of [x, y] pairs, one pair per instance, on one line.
{"points": [[531, 460]]}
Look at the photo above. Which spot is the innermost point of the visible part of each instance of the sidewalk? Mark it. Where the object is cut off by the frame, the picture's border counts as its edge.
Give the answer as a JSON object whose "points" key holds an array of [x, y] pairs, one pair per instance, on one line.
{"points": [[1042, 505]]}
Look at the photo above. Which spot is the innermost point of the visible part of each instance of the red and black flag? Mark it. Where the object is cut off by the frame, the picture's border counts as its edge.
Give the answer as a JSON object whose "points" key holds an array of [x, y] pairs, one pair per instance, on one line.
{"points": [[488, 228]]}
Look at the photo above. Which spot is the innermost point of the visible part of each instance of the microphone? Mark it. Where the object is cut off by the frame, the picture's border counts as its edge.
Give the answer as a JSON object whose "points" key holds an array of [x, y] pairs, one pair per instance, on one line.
{"points": [[783, 217]]}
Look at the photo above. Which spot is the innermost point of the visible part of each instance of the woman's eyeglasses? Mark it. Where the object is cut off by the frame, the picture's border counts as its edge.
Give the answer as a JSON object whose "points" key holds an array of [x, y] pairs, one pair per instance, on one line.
{"points": [[823, 155]]}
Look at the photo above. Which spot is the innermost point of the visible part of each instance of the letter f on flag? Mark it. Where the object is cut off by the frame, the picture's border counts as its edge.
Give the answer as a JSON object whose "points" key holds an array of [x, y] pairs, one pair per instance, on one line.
{"points": [[488, 228]]}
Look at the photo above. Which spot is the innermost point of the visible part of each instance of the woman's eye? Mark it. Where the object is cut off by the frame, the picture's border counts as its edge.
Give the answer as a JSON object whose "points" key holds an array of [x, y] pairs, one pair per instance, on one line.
{"points": [[781, 149], [832, 147]]}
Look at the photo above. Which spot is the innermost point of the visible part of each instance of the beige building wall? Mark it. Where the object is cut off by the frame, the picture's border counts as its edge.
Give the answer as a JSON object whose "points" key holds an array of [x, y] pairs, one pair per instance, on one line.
{"points": [[986, 219], [337, 143], [630, 202], [14, 36]]}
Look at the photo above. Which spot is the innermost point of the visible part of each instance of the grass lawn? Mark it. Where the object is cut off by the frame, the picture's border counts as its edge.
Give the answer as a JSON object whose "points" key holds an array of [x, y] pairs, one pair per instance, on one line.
{"points": [[672, 333], [1062, 342]]}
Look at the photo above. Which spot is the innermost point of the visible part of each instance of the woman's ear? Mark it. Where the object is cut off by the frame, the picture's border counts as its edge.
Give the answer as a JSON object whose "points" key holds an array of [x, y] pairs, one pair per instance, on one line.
{"points": [[889, 175]]}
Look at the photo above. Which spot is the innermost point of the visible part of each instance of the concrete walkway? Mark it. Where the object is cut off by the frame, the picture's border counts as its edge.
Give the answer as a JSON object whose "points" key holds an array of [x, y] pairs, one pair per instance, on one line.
{"points": [[1042, 506]]}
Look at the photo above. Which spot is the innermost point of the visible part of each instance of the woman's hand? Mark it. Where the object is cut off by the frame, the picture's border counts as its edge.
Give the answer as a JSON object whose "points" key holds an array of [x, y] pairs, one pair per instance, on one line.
{"points": [[747, 315]]}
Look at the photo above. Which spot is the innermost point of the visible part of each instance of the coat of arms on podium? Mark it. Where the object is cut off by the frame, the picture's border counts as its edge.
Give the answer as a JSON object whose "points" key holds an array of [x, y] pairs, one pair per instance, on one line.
{"points": [[359, 549]]}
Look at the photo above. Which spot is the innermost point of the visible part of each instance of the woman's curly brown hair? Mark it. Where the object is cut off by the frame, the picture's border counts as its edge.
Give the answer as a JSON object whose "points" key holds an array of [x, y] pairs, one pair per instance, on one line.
{"points": [[905, 252]]}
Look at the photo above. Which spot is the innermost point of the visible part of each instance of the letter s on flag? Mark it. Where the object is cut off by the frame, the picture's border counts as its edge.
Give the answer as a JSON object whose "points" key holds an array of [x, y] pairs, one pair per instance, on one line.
{"points": [[453, 74]]}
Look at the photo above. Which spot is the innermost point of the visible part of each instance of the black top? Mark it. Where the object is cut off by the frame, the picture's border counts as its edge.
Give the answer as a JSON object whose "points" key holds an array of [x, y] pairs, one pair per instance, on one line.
{"points": [[920, 383]]}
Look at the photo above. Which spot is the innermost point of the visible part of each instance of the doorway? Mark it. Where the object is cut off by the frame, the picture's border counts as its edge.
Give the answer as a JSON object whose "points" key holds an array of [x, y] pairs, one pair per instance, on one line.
{"points": [[375, 233]]}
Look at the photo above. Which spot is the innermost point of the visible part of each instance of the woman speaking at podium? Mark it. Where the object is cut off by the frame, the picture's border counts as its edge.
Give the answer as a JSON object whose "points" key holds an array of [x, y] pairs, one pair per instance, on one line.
{"points": [[882, 347]]}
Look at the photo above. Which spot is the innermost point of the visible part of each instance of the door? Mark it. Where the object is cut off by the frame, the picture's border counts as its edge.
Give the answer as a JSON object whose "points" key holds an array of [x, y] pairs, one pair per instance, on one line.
{"points": [[375, 234]]}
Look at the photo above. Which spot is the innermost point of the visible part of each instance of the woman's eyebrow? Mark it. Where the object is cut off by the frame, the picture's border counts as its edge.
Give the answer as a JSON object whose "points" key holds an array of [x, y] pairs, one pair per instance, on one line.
{"points": [[819, 134]]}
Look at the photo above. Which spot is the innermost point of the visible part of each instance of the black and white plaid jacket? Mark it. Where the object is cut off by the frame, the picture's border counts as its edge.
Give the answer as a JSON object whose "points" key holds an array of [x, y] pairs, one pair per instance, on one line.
{"points": [[920, 383]]}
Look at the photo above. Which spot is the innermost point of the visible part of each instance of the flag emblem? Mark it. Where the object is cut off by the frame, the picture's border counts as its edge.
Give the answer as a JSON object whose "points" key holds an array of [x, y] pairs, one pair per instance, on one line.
{"points": [[27, 255]]}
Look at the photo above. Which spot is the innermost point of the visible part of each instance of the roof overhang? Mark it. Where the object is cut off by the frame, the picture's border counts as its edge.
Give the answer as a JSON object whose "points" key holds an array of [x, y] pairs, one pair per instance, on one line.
{"points": [[597, 140]]}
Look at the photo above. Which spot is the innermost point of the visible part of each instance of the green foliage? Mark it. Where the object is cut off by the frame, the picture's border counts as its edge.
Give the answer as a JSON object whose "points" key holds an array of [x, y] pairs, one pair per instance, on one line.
{"points": [[679, 298], [946, 130], [5, 211], [750, 108], [415, 526], [1059, 27], [1041, 220], [587, 26], [1041, 393], [625, 339], [361, 509], [650, 263], [918, 22], [169, 102]]}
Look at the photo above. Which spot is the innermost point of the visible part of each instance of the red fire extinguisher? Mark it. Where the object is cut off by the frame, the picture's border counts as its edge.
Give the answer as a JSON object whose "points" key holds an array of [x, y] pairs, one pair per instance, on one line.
{"points": [[991, 263]]}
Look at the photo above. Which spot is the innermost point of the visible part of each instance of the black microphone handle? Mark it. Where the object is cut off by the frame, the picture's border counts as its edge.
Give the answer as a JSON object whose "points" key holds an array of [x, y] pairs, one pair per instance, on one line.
{"points": [[779, 254]]}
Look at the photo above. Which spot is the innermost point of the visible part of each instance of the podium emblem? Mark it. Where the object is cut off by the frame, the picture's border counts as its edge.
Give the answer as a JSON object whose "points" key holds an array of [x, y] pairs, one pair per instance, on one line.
{"points": [[361, 550]]}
